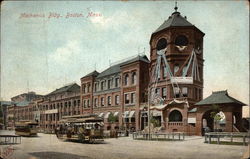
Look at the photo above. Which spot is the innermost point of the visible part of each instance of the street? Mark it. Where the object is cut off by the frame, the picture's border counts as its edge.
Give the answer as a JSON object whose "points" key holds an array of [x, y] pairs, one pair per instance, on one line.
{"points": [[47, 146]]}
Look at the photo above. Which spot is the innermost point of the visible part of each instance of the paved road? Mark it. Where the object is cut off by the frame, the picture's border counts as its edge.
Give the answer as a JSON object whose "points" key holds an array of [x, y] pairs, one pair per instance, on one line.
{"points": [[47, 146]]}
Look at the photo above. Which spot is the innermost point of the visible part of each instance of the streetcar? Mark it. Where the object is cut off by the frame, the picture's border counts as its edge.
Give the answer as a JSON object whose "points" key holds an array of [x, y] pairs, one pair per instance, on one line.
{"points": [[81, 128], [26, 128]]}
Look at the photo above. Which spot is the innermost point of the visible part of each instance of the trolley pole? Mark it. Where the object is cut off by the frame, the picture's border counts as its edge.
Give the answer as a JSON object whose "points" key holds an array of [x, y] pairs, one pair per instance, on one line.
{"points": [[149, 93]]}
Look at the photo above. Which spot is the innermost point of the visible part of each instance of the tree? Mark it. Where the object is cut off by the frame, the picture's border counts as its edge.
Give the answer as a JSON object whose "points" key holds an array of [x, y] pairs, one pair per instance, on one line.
{"points": [[215, 115], [112, 118], [155, 122]]}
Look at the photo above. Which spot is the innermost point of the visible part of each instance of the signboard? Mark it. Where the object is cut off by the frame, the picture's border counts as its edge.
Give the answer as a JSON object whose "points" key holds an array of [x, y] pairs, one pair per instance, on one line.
{"points": [[51, 111], [182, 80], [192, 120]]}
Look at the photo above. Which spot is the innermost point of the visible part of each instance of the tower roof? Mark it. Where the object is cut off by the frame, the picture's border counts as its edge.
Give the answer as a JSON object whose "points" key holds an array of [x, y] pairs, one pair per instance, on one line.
{"points": [[174, 20]]}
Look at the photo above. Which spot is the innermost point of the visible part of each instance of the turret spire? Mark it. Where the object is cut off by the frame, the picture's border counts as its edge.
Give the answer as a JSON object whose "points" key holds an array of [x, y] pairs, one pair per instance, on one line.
{"points": [[175, 8]]}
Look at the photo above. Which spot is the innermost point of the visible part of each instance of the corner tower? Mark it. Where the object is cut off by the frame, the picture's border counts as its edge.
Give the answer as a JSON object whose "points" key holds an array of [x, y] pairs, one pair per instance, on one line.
{"points": [[182, 43]]}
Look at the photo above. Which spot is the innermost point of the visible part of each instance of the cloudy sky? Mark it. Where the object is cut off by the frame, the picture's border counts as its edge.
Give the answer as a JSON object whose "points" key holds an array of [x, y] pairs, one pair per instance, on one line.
{"points": [[41, 53]]}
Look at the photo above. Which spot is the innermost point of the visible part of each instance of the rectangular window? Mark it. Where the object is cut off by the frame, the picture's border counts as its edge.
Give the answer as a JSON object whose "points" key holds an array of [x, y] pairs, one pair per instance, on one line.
{"points": [[164, 72], [184, 71], [88, 104], [88, 88], [126, 80], [134, 78], [177, 92], [83, 89], [95, 87], [102, 85], [109, 100], [117, 82], [117, 99], [184, 92], [164, 92], [84, 103], [126, 98], [157, 91], [109, 84], [132, 98], [102, 101], [96, 102]]}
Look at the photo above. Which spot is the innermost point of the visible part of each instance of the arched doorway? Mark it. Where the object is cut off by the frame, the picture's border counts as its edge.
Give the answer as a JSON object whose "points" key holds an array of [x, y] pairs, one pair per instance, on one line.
{"points": [[213, 124], [207, 122], [175, 116]]}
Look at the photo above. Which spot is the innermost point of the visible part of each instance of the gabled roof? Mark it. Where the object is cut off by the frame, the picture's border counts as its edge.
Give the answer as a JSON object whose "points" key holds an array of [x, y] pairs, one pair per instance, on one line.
{"points": [[22, 103], [94, 73], [174, 20], [219, 97], [68, 88], [117, 68]]}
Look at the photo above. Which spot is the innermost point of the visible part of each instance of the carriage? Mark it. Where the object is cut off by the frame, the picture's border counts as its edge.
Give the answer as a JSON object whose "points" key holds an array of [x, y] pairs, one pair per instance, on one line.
{"points": [[80, 128]]}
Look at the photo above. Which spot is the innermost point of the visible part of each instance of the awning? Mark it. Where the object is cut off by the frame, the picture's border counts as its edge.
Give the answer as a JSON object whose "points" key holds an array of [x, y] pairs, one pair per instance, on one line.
{"points": [[101, 114], [126, 114], [116, 113], [107, 115], [131, 114], [175, 101], [158, 107]]}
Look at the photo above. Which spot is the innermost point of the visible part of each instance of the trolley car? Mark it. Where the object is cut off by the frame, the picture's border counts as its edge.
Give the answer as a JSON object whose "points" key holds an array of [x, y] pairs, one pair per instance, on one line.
{"points": [[87, 128], [26, 128]]}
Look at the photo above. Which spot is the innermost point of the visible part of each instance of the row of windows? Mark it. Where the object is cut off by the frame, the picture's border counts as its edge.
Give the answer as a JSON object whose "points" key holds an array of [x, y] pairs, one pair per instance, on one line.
{"points": [[197, 94], [133, 79], [86, 88], [58, 105], [86, 103], [129, 98]]}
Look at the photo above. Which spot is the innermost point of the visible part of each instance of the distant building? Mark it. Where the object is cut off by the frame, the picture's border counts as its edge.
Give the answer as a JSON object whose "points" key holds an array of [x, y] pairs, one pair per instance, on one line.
{"points": [[64, 101], [3, 116], [25, 97], [21, 108]]}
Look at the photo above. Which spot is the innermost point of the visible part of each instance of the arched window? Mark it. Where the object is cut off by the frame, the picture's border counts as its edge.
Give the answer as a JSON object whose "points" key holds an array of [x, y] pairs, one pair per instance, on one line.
{"points": [[175, 116], [126, 80], [134, 78], [181, 40], [161, 44]]}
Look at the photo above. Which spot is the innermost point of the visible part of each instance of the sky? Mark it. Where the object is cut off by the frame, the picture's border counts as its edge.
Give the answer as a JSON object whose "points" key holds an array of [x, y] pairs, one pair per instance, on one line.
{"points": [[43, 49]]}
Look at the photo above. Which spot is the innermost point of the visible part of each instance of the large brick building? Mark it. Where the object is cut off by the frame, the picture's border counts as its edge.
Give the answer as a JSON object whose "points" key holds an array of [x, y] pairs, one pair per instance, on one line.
{"points": [[118, 90]]}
